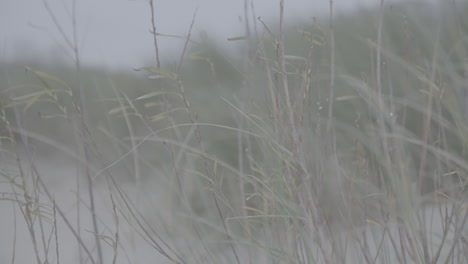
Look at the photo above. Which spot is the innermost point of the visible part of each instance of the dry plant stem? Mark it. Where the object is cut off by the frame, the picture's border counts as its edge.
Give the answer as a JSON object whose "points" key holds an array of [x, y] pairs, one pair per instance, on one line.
{"points": [[426, 132], [78, 205], [84, 118], [331, 97], [241, 122], [306, 80], [460, 49], [381, 241], [86, 141], [462, 53], [330, 131], [131, 133], [445, 234], [246, 17], [182, 55], [116, 222], [465, 69], [73, 46], [62, 214], [48, 194], [428, 116], [284, 78], [38, 182], [155, 40], [458, 235], [166, 103], [126, 200], [136, 215], [45, 245], [255, 53], [272, 92], [56, 232], [196, 131], [290, 113], [27, 212], [29, 201], [34, 196], [381, 105], [175, 161], [57, 24], [85, 152], [199, 139], [254, 19], [15, 234]]}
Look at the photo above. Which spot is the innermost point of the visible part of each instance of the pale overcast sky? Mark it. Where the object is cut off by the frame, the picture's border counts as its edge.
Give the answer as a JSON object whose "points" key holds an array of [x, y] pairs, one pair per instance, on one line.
{"points": [[115, 33]]}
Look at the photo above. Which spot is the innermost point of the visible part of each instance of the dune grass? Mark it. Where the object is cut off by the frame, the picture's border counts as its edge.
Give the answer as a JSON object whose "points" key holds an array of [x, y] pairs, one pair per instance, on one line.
{"points": [[342, 139]]}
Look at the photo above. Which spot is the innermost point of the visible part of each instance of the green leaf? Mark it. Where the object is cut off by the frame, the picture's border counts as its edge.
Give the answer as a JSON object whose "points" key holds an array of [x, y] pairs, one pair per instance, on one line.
{"points": [[50, 77], [267, 29], [346, 97], [117, 110], [149, 95], [159, 71], [53, 116], [36, 94], [238, 38], [291, 57], [30, 103], [43, 77], [153, 94], [163, 114]]}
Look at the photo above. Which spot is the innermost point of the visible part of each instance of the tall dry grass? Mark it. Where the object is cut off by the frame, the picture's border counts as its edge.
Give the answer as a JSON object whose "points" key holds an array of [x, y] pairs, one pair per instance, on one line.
{"points": [[341, 142]]}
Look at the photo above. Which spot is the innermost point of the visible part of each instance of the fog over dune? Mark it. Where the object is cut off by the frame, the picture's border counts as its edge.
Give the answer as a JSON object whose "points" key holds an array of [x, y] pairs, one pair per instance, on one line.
{"points": [[116, 34]]}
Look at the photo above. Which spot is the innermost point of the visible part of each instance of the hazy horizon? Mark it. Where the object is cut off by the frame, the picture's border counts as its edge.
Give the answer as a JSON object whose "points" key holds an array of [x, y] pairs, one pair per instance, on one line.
{"points": [[117, 34]]}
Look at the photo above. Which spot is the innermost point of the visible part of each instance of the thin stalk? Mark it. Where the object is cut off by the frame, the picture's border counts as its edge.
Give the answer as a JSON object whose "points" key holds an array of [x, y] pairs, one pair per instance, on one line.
{"points": [[331, 97], [131, 133], [199, 139], [155, 39], [30, 202], [46, 191], [56, 232], [381, 106], [73, 46], [426, 133], [241, 122], [284, 78]]}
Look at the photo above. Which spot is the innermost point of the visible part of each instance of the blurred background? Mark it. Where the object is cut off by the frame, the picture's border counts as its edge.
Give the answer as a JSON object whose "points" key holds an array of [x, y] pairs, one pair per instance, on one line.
{"points": [[116, 34]]}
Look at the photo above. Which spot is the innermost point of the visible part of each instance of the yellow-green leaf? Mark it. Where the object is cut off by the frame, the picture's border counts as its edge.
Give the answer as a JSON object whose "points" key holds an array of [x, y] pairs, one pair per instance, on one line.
{"points": [[153, 94], [159, 71], [238, 38]]}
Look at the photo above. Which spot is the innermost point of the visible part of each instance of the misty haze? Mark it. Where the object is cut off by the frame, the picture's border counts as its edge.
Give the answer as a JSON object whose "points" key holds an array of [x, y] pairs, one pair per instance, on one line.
{"points": [[255, 131]]}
